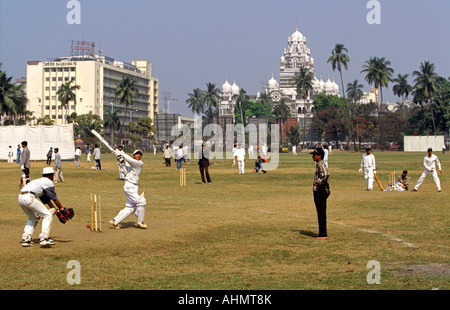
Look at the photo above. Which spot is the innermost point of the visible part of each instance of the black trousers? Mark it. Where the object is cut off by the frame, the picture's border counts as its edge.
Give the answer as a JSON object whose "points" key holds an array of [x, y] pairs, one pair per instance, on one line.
{"points": [[204, 171], [320, 200]]}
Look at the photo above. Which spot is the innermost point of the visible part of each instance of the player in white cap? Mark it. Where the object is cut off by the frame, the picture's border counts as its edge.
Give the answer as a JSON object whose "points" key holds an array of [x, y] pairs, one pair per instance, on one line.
{"points": [[44, 189], [131, 167]]}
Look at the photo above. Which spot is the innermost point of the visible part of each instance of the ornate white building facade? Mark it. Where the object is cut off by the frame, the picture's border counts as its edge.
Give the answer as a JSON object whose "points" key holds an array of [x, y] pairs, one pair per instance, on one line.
{"points": [[295, 55]]}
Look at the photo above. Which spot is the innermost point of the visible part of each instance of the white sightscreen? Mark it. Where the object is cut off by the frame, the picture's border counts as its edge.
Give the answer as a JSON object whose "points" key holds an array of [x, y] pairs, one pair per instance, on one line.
{"points": [[422, 143], [40, 139]]}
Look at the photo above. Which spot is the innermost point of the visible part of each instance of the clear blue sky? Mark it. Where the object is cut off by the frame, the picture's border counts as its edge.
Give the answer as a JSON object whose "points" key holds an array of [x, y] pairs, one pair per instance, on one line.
{"points": [[192, 42]]}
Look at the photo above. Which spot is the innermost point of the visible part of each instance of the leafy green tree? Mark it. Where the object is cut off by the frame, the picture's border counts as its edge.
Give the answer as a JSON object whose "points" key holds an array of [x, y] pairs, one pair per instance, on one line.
{"points": [[46, 120], [66, 94], [84, 123]]}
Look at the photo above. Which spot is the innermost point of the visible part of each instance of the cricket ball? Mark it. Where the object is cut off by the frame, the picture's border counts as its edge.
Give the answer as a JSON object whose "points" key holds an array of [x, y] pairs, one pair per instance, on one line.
{"points": [[88, 225]]}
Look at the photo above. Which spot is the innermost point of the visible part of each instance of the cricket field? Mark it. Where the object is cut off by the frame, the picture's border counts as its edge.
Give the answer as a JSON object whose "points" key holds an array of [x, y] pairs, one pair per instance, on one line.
{"points": [[242, 232]]}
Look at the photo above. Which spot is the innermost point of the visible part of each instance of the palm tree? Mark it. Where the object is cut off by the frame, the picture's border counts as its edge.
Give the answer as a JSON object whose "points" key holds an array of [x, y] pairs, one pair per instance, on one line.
{"points": [[126, 91], [241, 101], [210, 100], [66, 94], [111, 121], [339, 59], [354, 91], [7, 104], [282, 111], [195, 101], [303, 81], [425, 84], [378, 72], [265, 98], [402, 89]]}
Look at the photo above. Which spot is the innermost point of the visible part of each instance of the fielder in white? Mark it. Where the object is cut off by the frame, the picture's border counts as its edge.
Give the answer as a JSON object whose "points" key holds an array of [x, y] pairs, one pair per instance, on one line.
{"points": [[430, 162], [44, 189], [131, 167], [240, 158], [368, 163]]}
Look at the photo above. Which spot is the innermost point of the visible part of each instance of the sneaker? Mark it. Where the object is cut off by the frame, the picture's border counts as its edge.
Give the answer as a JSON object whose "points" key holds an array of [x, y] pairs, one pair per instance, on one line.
{"points": [[414, 190], [114, 225], [142, 226], [439, 191], [47, 241], [26, 243]]}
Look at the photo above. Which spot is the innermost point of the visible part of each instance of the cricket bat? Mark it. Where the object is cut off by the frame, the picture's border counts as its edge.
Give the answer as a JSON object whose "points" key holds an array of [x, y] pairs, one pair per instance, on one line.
{"points": [[379, 183], [102, 140]]}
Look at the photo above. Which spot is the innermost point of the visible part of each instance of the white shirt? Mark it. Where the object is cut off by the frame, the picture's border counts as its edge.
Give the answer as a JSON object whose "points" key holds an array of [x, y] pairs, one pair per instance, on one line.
{"points": [[131, 169], [368, 161], [41, 187], [325, 156], [240, 154], [78, 152], [430, 162], [97, 153]]}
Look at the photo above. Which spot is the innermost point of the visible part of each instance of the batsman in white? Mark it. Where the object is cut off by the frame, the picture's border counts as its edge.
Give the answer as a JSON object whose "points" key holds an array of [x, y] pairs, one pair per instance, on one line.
{"points": [[131, 168], [44, 189], [429, 163], [368, 163]]}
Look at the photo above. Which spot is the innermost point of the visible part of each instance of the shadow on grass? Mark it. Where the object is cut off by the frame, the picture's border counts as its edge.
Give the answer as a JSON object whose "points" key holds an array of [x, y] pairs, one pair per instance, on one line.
{"points": [[306, 233]]}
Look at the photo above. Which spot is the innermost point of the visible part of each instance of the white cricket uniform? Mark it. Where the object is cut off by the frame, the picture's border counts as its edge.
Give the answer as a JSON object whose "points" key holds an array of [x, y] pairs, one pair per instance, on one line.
{"points": [[325, 157], [44, 189], [430, 164], [368, 163], [131, 169], [294, 150], [240, 156]]}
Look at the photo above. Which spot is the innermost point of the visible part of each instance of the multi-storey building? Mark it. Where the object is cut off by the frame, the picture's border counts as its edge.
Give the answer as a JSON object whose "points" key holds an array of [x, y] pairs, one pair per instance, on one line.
{"points": [[98, 77]]}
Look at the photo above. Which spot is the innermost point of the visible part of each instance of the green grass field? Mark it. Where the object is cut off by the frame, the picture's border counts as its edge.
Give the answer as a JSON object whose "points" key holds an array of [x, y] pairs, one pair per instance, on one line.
{"points": [[242, 232]]}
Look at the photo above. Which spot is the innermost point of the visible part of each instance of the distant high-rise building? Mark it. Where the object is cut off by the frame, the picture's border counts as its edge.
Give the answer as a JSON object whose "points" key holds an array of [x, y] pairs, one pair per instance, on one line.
{"points": [[98, 77]]}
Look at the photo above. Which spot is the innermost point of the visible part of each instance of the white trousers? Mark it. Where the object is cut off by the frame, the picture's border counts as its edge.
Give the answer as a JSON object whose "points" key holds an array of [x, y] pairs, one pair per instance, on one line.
{"points": [[368, 176], [241, 165], [135, 204], [424, 175], [33, 208], [88, 156]]}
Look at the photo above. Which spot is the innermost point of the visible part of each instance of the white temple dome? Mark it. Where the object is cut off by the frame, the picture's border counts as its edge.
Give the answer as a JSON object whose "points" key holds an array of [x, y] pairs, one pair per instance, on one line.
{"points": [[329, 85], [273, 84], [235, 89], [335, 86], [297, 36], [226, 87]]}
